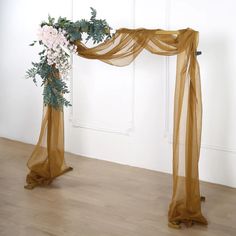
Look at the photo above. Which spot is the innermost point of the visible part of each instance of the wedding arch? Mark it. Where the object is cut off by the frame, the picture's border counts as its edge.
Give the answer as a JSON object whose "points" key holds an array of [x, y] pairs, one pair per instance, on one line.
{"points": [[120, 49]]}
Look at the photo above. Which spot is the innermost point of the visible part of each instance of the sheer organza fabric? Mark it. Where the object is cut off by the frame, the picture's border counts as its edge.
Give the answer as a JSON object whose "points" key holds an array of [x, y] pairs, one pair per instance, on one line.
{"points": [[47, 160]]}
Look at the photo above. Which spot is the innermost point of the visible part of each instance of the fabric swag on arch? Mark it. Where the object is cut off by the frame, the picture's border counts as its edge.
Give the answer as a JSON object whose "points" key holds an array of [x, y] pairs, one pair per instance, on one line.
{"points": [[47, 159]]}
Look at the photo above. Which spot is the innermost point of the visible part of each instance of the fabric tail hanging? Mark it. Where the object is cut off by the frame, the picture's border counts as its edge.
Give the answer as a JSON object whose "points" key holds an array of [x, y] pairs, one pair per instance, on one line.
{"points": [[47, 160], [186, 199]]}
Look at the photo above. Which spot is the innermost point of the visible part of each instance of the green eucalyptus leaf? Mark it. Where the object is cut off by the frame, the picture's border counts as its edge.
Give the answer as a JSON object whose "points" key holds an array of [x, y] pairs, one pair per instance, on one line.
{"points": [[32, 44]]}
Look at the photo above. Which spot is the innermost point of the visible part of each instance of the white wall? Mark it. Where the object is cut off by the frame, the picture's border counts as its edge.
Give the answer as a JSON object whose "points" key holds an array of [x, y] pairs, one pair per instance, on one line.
{"points": [[124, 115]]}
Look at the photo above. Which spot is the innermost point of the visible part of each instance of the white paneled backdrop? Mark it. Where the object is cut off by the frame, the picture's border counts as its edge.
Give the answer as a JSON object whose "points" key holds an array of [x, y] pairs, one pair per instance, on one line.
{"points": [[124, 114]]}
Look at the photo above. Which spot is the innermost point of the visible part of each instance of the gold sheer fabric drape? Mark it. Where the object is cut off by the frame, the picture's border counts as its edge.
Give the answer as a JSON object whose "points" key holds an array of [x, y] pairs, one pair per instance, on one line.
{"points": [[121, 50], [47, 160]]}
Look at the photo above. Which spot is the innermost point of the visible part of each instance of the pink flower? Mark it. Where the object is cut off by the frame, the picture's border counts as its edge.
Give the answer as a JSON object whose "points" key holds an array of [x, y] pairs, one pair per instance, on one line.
{"points": [[56, 45]]}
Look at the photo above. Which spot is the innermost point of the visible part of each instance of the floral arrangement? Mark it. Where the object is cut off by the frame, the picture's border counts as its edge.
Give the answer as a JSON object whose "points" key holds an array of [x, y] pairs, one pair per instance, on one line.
{"points": [[58, 40]]}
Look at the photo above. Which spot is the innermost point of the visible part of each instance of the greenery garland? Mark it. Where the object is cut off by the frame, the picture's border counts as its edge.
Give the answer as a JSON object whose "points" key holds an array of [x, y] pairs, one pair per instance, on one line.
{"points": [[58, 40]]}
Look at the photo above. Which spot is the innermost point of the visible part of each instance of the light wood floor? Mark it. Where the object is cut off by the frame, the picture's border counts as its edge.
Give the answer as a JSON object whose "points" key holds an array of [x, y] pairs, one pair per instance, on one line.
{"points": [[99, 198]]}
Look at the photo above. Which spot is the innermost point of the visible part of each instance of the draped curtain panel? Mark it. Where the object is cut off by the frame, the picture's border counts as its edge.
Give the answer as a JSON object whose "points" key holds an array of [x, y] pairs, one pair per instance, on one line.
{"points": [[47, 160]]}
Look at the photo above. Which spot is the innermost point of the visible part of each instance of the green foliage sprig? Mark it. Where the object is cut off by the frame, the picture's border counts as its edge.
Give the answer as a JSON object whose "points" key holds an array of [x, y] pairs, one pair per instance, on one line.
{"points": [[98, 30]]}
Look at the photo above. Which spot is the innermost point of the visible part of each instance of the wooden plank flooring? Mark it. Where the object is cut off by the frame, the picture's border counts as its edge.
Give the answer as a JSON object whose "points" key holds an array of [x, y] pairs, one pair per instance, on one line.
{"points": [[100, 198]]}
